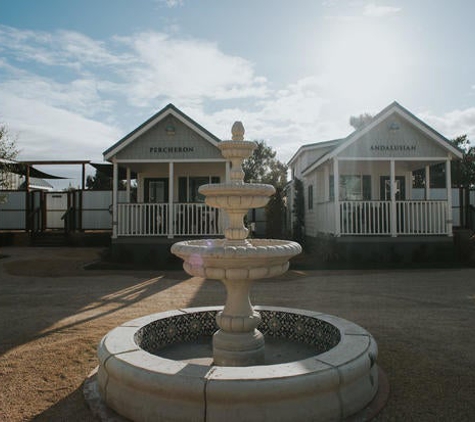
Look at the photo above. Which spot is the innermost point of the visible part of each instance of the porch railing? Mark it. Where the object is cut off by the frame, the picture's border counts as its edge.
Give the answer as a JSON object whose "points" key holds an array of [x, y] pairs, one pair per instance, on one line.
{"points": [[188, 219], [365, 217], [412, 218], [421, 217], [374, 218]]}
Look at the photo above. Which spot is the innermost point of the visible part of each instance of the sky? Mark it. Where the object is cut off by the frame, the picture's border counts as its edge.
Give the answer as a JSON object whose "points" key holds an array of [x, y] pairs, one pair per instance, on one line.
{"points": [[78, 75]]}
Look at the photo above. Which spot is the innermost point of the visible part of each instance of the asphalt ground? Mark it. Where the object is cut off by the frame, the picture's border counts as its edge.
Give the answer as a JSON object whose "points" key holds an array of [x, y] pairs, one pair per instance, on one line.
{"points": [[53, 313]]}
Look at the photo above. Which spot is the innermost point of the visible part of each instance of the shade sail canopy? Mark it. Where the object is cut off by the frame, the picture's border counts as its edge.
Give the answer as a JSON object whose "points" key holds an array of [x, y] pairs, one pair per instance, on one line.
{"points": [[22, 169]]}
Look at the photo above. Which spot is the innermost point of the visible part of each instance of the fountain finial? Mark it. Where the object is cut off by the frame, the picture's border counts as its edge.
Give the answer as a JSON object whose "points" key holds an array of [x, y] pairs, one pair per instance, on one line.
{"points": [[237, 131]]}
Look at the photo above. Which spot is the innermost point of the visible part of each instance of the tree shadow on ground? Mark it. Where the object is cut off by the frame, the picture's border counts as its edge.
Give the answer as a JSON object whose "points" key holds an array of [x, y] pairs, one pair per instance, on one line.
{"points": [[34, 305], [73, 404]]}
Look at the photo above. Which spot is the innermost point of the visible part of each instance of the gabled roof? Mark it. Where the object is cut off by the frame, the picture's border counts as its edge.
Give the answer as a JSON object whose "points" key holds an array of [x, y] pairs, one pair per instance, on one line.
{"points": [[170, 109], [313, 146], [394, 107], [36, 183]]}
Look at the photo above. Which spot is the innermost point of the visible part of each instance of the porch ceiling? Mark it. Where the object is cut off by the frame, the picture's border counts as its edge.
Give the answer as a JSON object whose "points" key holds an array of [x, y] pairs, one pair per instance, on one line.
{"points": [[148, 167], [370, 165]]}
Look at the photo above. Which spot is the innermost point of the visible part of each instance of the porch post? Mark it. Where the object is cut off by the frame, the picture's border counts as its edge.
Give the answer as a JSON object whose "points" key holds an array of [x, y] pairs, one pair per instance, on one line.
{"points": [[336, 190], [448, 184], [115, 176], [427, 183], [171, 221], [326, 185], [392, 184], [128, 185]]}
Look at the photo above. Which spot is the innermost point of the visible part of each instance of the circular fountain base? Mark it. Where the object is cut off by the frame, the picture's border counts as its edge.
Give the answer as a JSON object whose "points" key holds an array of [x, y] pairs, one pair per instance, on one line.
{"points": [[318, 368]]}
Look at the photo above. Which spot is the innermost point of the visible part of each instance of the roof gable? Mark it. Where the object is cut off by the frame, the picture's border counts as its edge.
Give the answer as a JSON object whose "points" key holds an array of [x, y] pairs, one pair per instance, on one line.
{"points": [[164, 125], [394, 130]]}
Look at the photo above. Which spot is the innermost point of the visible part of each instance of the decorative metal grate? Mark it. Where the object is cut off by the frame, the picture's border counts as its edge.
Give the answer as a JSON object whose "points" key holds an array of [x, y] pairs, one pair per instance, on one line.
{"points": [[277, 324]]}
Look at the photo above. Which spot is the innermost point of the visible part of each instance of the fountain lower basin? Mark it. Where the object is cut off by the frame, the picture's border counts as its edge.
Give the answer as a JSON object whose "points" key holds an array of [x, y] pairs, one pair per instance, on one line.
{"points": [[338, 378], [251, 259]]}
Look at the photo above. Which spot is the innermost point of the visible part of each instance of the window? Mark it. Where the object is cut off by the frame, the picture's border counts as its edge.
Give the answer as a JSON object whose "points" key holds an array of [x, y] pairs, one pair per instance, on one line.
{"points": [[352, 188], [310, 197], [188, 187]]}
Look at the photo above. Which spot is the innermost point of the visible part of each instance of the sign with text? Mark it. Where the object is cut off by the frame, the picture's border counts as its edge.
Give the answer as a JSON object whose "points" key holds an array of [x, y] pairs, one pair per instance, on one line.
{"points": [[168, 150]]}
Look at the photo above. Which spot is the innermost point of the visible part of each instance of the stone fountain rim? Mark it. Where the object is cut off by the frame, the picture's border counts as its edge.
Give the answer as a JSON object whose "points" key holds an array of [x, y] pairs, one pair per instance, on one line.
{"points": [[120, 344], [250, 248], [234, 188]]}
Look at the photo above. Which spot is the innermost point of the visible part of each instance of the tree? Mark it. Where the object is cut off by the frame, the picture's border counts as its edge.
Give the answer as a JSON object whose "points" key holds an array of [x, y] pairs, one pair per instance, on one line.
{"points": [[463, 172], [8, 153], [359, 121], [263, 167], [102, 181]]}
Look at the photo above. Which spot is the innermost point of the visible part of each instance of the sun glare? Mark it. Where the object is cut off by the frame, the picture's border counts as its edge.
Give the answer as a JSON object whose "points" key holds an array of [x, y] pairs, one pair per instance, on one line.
{"points": [[364, 59]]}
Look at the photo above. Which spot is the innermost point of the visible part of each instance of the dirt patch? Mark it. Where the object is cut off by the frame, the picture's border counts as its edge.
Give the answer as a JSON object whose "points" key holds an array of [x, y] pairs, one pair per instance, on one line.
{"points": [[54, 312], [53, 262]]}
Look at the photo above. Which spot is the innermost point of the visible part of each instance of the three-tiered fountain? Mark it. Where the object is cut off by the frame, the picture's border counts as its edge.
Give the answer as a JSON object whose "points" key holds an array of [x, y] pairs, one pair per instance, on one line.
{"points": [[266, 364]]}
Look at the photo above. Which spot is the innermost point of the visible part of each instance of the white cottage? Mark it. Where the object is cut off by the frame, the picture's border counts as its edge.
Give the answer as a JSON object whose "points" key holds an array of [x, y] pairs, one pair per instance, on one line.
{"points": [[362, 185], [171, 156]]}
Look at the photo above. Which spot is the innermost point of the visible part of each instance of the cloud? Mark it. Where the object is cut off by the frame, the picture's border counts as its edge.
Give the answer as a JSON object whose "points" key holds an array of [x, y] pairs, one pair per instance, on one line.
{"points": [[92, 92], [47, 132], [186, 68], [375, 11], [80, 95], [171, 3], [452, 124], [62, 48], [69, 83]]}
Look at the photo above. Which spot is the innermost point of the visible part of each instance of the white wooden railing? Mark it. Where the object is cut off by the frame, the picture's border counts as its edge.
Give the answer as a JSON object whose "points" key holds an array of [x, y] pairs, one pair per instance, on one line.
{"points": [[196, 220], [374, 218], [365, 217], [144, 219], [412, 218], [421, 217]]}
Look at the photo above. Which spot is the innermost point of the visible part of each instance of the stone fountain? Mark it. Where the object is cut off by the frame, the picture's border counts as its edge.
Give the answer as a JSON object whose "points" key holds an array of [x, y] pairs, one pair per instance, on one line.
{"points": [[266, 364]]}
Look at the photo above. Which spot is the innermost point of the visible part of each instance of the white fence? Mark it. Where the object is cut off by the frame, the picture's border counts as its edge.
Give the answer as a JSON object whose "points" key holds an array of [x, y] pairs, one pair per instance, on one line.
{"points": [[92, 211], [96, 208], [12, 210], [144, 219]]}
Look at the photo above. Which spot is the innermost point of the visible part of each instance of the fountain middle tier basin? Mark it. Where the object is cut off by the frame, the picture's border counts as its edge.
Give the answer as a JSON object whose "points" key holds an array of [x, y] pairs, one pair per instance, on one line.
{"points": [[237, 195], [250, 259], [333, 376]]}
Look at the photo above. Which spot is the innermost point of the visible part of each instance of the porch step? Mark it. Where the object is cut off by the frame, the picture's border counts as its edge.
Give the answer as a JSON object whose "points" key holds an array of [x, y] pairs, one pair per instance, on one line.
{"points": [[49, 239]]}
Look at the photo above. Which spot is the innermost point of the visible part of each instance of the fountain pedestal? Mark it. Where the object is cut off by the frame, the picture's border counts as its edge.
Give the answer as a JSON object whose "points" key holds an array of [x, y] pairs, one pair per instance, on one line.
{"points": [[238, 342]]}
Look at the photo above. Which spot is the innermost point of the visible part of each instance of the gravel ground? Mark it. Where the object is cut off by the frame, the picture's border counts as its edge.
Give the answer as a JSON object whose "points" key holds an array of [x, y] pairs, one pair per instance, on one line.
{"points": [[53, 313]]}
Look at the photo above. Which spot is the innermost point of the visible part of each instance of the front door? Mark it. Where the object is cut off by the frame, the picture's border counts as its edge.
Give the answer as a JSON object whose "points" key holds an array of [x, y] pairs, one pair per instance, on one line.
{"points": [[156, 190], [385, 188], [385, 195]]}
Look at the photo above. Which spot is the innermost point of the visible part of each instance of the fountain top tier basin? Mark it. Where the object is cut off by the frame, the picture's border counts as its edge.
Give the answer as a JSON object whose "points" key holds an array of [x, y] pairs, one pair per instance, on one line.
{"points": [[249, 259]]}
